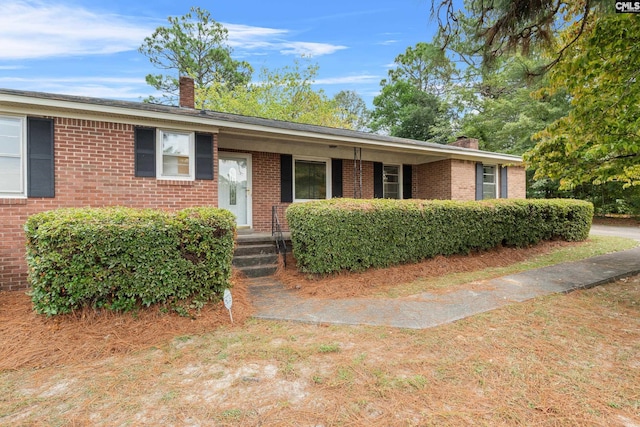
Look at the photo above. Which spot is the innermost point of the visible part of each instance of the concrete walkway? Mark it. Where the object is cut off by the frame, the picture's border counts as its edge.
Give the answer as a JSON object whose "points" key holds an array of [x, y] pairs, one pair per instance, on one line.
{"points": [[273, 301]]}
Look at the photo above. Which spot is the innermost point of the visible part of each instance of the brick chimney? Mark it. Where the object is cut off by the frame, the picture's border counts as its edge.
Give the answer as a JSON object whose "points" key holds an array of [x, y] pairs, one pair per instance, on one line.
{"points": [[187, 92], [465, 142]]}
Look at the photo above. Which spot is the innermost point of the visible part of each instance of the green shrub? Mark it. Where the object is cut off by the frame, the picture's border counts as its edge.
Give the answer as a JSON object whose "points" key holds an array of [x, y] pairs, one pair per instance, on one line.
{"points": [[119, 258], [348, 234]]}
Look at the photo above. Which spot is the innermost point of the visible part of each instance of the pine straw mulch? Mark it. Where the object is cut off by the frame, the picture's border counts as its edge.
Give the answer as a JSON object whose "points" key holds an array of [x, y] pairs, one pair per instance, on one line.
{"points": [[32, 340], [618, 220], [376, 281]]}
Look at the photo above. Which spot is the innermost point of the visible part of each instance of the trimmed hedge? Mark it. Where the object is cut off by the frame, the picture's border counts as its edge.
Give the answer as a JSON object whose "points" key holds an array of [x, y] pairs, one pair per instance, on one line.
{"points": [[348, 234], [119, 258]]}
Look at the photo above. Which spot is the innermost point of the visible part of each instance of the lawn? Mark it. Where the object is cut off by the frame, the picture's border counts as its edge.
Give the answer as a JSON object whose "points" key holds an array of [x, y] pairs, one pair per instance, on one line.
{"points": [[557, 360]]}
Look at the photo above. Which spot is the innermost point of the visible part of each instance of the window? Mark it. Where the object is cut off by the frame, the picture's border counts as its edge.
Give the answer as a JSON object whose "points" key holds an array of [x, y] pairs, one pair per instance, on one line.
{"points": [[488, 182], [310, 182], [11, 156], [176, 155], [391, 182]]}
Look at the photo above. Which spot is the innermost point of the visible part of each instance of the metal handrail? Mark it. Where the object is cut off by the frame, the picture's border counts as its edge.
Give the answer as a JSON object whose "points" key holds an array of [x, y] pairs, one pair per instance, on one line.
{"points": [[277, 232]]}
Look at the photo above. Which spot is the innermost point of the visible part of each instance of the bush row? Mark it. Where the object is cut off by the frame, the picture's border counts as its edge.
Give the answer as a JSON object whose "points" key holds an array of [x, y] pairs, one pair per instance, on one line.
{"points": [[347, 234], [119, 258]]}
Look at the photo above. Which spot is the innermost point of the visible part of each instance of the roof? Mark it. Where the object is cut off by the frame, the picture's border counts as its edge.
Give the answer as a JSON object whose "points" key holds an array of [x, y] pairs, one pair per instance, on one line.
{"points": [[12, 97]]}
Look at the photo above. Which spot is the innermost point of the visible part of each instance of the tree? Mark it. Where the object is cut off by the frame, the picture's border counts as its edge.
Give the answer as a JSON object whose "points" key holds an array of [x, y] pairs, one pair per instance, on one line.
{"points": [[353, 109], [405, 111], [504, 27], [599, 140], [281, 94], [425, 67], [193, 45], [505, 115], [413, 100]]}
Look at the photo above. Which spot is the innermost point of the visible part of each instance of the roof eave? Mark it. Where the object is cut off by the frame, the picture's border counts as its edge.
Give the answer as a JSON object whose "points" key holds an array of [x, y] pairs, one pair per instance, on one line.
{"points": [[213, 120]]}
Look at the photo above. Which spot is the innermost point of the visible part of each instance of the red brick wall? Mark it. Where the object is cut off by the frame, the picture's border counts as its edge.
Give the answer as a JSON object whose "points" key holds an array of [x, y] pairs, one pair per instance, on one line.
{"points": [[463, 180], [516, 182], [94, 167], [266, 189], [433, 180], [347, 179]]}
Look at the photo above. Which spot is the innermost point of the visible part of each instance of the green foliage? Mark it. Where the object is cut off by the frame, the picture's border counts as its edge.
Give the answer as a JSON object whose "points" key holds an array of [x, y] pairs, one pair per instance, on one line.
{"points": [[353, 109], [347, 234], [282, 94], [193, 45], [507, 115], [499, 28], [120, 258], [425, 67], [599, 141], [413, 102], [404, 111]]}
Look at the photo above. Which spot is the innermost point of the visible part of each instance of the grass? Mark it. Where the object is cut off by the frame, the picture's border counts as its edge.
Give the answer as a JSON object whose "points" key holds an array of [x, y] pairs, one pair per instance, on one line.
{"points": [[596, 245]]}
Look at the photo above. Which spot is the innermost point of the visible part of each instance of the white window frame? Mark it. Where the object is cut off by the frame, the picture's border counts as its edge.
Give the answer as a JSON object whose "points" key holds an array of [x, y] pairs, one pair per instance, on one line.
{"points": [[399, 180], [327, 162], [160, 154], [22, 192], [496, 181]]}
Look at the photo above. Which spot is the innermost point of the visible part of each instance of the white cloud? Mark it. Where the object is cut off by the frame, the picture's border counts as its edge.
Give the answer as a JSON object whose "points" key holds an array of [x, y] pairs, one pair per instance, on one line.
{"points": [[388, 42], [99, 87], [248, 37], [309, 49], [34, 29], [363, 78], [261, 39]]}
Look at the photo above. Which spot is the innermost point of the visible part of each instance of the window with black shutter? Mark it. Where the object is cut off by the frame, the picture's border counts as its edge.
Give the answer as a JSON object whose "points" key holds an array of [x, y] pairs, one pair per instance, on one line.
{"points": [[336, 178], [204, 156], [145, 152], [40, 158]]}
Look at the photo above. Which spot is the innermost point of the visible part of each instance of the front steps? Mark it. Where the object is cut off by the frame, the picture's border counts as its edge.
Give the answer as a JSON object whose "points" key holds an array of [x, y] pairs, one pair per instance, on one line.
{"points": [[255, 255]]}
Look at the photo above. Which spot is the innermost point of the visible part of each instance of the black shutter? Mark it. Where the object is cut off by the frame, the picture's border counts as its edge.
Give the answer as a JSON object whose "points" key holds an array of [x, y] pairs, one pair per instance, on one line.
{"points": [[204, 156], [479, 180], [503, 183], [286, 178], [40, 158], [336, 178], [378, 188], [145, 151], [407, 181]]}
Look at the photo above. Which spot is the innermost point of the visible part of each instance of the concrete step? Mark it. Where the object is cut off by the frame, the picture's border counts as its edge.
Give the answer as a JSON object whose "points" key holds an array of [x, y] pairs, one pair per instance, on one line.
{"points": [[254, 249], [254, 239], [253, 260], [259, 270]]}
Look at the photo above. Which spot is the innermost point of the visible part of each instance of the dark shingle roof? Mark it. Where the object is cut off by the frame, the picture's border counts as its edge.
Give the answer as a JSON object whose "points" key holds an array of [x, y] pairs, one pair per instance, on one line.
{"points": [[232, 119]]}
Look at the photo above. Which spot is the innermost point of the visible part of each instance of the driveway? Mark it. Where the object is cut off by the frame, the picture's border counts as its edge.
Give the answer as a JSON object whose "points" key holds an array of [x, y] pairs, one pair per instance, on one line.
{"points": [[614, 230]]}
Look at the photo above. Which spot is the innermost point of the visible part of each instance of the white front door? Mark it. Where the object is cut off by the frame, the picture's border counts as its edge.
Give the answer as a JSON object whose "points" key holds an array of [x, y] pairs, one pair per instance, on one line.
{"points": [[234, 186]]}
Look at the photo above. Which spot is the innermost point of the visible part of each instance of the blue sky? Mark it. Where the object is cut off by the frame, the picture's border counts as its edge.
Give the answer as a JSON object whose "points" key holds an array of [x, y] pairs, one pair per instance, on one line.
{"points": [[89, 48]]}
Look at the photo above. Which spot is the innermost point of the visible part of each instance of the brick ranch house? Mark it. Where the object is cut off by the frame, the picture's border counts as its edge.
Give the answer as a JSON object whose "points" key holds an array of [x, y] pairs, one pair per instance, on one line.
{"points": [[69, 151]]}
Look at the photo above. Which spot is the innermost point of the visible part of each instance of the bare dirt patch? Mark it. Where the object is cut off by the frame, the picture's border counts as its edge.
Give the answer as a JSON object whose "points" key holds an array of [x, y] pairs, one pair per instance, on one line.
{"points": [[32, 340], [373, 281]]}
